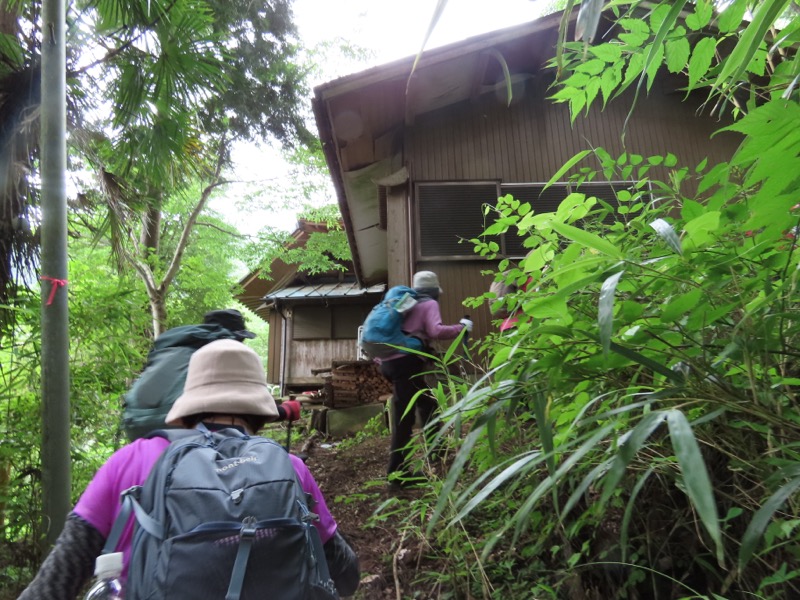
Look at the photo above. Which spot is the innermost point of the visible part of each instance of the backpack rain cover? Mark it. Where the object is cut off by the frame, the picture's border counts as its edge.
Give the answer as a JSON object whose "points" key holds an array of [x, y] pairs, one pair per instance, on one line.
{"points": [[383, 327]]}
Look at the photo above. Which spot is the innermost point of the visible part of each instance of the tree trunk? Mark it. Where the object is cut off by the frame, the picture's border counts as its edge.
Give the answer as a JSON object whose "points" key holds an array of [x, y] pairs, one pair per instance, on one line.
{"points": [[151, 236], [158, 309], [151, 229]]}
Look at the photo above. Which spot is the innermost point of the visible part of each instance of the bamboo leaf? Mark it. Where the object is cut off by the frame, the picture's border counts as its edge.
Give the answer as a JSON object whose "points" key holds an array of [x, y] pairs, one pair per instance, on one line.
{"points": [[695, 476], [628, 449], [566, 167], [457, 467], [519, 467], [647, 362], [588, 239], [437, 13], [737, 62], [605, 309], [506, 74], [626, 518], [521, 517], [563, 25], [667, 233], [491, 426], [755, 530], [590, 478], [588, 19], [545, 431], [456, 344]]}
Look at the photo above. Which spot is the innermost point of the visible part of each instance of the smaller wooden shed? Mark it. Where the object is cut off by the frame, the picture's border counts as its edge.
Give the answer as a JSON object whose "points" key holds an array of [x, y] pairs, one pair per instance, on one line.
{"points": [[313, 319]]}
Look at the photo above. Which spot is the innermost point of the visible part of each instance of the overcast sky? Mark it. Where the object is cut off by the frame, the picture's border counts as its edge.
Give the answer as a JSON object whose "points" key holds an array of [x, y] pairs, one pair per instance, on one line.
{"points": [[388, 30], [393, 30]]}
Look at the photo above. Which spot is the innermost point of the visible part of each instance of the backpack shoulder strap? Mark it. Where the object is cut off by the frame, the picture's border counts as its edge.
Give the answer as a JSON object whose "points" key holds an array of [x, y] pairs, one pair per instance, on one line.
{"points": [[130, 497]]}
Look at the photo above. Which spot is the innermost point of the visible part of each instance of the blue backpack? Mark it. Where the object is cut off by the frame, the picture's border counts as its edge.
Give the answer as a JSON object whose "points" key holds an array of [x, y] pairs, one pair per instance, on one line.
{"points": [[382, 332]]}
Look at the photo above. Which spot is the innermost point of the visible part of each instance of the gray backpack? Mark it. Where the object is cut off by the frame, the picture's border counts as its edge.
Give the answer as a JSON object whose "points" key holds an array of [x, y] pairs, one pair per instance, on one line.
{"points": [[222, 515]]}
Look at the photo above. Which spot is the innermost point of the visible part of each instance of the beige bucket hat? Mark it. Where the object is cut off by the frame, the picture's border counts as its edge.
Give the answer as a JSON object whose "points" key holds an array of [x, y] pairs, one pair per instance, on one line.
{"points": [[224, 377]]}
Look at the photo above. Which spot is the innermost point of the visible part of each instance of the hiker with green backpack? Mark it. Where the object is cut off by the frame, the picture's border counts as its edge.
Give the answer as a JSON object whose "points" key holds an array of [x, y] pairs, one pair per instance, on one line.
{"points": [[208, 511], [152, 394]]}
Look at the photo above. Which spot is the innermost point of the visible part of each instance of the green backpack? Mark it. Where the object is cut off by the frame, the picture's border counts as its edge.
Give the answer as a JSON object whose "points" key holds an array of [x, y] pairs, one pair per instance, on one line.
{"points": [[146, 404]]}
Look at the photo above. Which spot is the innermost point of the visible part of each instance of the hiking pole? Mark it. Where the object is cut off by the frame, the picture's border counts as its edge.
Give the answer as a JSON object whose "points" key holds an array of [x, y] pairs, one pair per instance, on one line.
{"points": [[288, 435]]}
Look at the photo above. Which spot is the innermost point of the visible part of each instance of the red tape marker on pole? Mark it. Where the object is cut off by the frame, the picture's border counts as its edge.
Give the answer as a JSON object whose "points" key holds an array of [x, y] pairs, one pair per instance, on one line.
{"points": [[56, 283]]}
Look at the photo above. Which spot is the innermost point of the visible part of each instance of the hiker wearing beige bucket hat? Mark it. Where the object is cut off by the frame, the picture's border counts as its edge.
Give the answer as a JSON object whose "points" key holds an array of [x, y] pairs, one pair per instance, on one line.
{"points": [[225, 388], [224, 378]]}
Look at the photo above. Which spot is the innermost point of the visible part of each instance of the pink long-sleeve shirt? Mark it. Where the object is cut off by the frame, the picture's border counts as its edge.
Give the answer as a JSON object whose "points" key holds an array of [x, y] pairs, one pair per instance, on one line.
{"points": [[425, 319], [130, 465]]}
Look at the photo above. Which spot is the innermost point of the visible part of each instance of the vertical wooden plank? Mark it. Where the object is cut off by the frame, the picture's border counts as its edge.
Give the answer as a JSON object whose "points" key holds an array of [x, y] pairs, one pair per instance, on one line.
{"points": [[399, 240], [274, 347]]}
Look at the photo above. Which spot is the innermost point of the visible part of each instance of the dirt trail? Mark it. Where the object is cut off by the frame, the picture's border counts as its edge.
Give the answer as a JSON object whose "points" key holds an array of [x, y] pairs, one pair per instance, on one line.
{"points": [[352, 479]]}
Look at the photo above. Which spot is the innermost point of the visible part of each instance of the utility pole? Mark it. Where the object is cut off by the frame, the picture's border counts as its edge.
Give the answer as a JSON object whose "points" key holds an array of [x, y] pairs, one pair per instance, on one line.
{"points": [[55, 333]]}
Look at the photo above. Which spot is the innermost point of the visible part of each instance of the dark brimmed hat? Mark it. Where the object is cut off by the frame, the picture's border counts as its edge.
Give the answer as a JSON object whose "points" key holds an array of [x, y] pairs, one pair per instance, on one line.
{"points": [[231, 319], [225, 377]]}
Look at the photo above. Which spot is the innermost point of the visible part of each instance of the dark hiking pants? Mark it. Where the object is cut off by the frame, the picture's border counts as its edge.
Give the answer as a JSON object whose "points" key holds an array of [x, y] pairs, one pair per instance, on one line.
{"points": [[405, 373]]}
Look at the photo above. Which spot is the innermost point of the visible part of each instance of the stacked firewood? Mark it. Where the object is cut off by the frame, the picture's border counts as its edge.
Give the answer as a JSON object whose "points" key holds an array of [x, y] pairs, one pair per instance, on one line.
{"points": [[353, 383]]}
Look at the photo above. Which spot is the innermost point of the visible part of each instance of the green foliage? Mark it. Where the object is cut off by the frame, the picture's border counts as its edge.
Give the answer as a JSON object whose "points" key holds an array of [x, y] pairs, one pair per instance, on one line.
{"points": [[675, 319], [208, 264], [157, 93], [109, 340], [323, 252], [375, 427], [645, 405]]}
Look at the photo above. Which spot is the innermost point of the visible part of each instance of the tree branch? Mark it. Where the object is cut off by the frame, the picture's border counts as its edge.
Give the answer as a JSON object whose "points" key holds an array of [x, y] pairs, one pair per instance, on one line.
{"points": [[175, 263], [218, 228]]}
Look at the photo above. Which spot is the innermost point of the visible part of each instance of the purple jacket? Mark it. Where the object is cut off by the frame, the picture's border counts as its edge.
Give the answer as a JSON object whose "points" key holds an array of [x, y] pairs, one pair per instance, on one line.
{"points": [[131, 464], [424, 320]]}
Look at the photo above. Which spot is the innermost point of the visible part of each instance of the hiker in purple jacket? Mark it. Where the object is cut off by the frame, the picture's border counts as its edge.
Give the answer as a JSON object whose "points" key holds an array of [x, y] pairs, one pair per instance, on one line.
{"points": [[225, 387], [406, 372]]}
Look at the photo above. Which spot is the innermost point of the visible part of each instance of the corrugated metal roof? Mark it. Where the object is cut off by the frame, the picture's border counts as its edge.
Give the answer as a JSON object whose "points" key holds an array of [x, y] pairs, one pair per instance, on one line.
{"points": [[325, 290]]}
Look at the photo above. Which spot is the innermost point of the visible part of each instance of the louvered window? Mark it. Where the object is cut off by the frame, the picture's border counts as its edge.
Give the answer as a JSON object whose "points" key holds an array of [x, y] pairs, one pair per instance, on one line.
{"points": [[449, 213]]}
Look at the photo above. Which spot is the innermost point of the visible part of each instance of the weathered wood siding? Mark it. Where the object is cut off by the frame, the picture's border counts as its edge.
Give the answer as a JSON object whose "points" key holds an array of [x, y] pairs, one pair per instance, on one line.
{"points": [[527, 143], [305, 355], [302, 355], [275, 347], [398, 240]]}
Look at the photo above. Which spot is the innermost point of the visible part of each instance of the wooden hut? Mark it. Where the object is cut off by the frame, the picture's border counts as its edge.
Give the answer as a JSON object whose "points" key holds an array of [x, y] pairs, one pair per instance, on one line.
{"points": [[414, 161], [313, 319]]}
